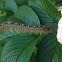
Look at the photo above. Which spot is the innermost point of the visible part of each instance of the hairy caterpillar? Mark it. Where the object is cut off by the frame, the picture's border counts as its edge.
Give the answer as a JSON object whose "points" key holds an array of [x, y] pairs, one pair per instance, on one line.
{"points": [[25, 28]]}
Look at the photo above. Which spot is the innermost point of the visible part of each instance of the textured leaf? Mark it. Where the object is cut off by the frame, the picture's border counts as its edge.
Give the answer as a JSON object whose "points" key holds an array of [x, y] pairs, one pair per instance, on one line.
{"points": [[46, 48], [21, 2], [5, 35], [14, 19], [46, 11], [57, 53], [10, 5], [3, 19], [27, 15], [19, 48]]}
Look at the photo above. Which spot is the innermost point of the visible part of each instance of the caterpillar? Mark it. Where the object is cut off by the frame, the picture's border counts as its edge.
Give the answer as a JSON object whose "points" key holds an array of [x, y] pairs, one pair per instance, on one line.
{"points": [[25, 28]]}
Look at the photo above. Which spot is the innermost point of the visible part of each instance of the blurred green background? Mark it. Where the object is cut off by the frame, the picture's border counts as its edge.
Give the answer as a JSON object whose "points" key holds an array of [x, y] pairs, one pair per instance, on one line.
{"points": [[57, 2]]}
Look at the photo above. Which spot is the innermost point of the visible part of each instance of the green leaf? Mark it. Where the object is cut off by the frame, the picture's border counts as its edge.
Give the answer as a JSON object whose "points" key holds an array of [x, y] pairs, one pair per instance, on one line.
{"points": [[46, 48], [1, 5], [19, 48], [21, 2], [5, 35], [14, 19], [59, 8], [57, 53], [46, 11], [58, 2], [27, 15], [10, 5], [3, 19], [0, 52], [33, 58]]}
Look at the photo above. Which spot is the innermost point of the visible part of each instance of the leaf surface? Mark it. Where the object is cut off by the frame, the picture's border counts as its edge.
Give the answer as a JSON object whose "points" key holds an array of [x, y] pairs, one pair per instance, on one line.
{"points": [[10, 5], [46, 48], [19, 48], [57, 53], [21, 2], [27, 15], [46, 11]]}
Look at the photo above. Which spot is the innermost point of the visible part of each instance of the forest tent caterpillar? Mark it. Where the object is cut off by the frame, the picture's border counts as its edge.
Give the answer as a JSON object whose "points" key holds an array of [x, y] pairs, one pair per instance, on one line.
{"points": [[25, 28]]}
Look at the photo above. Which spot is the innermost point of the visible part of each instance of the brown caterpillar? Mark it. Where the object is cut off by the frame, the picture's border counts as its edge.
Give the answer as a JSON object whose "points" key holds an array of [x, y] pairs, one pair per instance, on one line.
{"points": [[25, 28]]}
